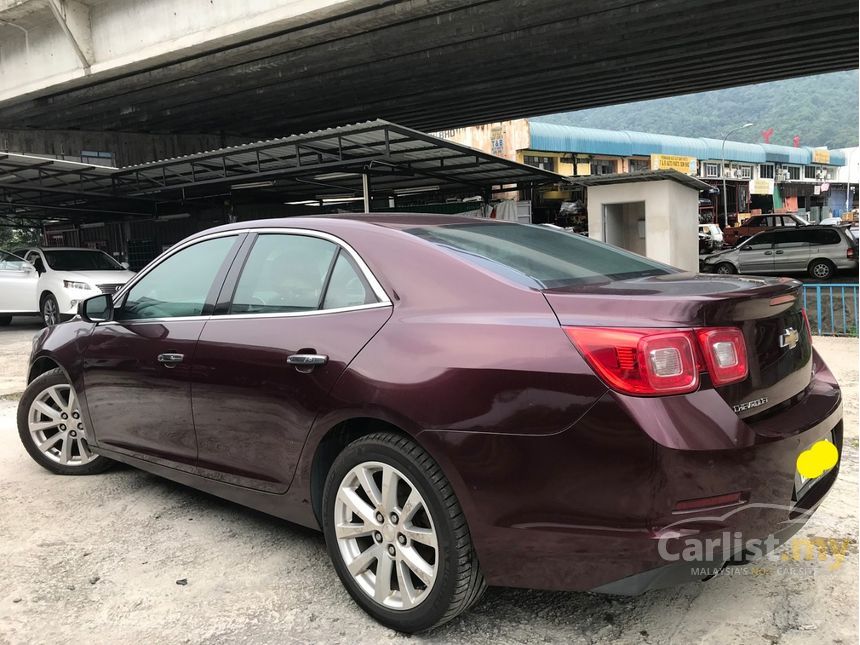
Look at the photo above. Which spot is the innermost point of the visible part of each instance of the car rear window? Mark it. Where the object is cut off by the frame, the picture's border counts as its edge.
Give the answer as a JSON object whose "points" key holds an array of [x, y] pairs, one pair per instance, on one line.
{"points": [[539, 256]]}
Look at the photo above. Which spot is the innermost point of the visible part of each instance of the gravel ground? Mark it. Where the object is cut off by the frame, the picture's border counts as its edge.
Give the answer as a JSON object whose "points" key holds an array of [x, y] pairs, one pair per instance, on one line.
{"points": [[129, 557]]}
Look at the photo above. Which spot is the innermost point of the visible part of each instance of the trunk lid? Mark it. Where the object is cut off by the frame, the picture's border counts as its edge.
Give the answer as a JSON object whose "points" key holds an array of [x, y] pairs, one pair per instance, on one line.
{"points": [[768, 310]]}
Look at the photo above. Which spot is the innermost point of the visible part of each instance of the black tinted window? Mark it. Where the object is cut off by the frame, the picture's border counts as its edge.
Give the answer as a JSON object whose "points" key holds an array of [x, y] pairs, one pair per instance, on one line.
{"points": [[178, 286], [81, 260], [792, 237], [763, 239], [283, 274], [824, 236], [546, 257]]}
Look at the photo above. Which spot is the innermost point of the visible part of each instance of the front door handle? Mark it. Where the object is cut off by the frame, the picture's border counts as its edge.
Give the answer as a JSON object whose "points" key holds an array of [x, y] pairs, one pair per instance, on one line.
{"points": [[768, 252], [779, 252], [170, 359], [307, 360]]}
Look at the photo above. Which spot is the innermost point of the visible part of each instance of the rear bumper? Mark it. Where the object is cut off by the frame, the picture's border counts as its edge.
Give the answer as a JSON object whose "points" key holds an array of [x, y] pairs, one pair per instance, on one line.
{"points": [[592, 508]]}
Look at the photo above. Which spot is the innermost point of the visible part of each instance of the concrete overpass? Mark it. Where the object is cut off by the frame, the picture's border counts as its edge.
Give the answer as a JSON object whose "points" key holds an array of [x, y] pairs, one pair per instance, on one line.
{"points": [[269, 68]]}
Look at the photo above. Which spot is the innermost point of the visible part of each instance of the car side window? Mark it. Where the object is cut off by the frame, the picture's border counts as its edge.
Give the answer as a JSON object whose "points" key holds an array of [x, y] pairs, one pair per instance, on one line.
{"points": [[822, 237], [755, 221], [177, 286], [762, 241], [792, 239], [347, 286], [284, 273]]}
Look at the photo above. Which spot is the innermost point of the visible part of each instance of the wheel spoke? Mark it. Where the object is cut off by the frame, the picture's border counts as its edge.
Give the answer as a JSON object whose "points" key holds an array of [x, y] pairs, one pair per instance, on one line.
{"points": [[366, 480], [57, 397], [66, 451], [357, 505], [84, 450], [421, 535], [49, 443], [364, 560], [73, 402], [404, 581], [47, 410], [389, 489], [38, 426], [412, 504], [382, 586], [421, 568], [346, 531]]}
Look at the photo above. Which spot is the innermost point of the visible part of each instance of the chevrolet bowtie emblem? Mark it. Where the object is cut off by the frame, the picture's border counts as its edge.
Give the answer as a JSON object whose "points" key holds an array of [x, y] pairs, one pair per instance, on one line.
{"points": [[789, 338]]}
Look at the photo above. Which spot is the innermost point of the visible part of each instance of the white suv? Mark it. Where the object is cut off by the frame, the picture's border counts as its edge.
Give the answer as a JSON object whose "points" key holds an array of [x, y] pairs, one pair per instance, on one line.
{"points": [[69, 275]]}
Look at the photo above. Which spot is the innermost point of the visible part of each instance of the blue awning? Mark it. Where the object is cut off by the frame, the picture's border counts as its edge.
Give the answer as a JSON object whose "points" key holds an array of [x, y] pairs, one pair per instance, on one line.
{"points": [[551, 137]]}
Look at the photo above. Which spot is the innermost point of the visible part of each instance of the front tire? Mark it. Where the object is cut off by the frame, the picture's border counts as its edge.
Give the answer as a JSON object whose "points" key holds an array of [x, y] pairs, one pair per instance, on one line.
{"points": [[397, 536], [725, 268], [52, 429], [50, 310]]}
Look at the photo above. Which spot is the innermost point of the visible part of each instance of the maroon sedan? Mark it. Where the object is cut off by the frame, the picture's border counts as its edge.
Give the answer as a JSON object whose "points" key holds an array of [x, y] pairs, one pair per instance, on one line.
{"points": [[455, 402]]}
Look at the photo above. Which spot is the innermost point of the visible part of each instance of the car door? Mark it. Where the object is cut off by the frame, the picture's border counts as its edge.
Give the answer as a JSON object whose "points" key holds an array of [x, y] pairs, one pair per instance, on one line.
{"points": [[18, 285], [756, 254], [137, 366], [289, 321], [791, 251]]}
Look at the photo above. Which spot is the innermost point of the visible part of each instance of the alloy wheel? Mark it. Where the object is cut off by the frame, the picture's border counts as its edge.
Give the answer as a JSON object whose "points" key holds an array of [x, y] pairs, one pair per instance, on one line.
{"points": [[386, 535], [821, 270], [50, 312], [55, 423]]}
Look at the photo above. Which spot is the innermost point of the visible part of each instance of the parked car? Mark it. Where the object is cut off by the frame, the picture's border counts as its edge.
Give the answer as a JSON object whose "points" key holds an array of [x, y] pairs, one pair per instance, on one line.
{"points": [[758, 223], [68, 276], [455, 402], [831, 221], [18, 288], [817, 250], [710, 238]]}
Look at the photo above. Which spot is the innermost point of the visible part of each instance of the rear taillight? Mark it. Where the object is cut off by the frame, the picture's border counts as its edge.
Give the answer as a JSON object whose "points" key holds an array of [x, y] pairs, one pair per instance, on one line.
{"points": [[654, 362], [645, 362], [850, 253], [725, 354]]}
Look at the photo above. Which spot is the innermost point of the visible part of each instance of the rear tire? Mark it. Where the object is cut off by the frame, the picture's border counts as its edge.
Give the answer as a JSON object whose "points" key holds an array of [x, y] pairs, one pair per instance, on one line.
{"points": [[418, 520], [725, 268], [55, 442], [822, 269]]}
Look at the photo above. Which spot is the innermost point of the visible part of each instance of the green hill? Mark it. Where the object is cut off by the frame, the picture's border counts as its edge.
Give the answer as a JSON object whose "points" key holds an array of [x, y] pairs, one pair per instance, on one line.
{"points": [[822, 110]]}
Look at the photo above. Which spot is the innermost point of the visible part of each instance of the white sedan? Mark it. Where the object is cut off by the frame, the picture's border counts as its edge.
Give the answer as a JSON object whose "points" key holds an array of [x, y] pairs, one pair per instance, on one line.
{"points": [[69, 275], [18, 288]]}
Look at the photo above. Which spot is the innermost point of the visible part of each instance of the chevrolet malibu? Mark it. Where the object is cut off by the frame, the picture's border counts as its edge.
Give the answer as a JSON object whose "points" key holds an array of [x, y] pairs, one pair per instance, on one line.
{"points": [[455, 402]]}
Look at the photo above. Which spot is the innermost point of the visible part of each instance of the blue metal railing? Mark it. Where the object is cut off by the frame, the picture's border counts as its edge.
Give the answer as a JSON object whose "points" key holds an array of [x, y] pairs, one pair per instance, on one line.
{"points": [[832, 308]]}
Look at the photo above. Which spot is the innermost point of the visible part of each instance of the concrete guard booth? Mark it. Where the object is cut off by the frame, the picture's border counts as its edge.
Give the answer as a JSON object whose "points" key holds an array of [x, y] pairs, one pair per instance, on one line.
{"points": [[654, 214]]}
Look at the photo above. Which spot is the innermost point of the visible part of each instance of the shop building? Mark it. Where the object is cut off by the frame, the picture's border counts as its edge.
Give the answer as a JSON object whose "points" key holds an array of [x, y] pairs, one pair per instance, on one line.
{"points": [[758, 176]]}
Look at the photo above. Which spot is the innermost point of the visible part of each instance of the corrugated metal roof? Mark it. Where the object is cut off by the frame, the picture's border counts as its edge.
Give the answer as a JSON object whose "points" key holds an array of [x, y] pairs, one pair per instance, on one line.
{"points": [[636, 177], [552, 137]]}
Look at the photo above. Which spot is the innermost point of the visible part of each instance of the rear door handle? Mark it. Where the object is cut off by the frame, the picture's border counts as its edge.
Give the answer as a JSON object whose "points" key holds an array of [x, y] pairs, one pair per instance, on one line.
{"points": [[779, 252], [170, 359], [768, 252], [307, 360]]}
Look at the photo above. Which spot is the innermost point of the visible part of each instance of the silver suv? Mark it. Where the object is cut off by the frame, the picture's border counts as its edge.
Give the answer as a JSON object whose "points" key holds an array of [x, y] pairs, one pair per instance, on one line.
{"points": [[817, 250]]}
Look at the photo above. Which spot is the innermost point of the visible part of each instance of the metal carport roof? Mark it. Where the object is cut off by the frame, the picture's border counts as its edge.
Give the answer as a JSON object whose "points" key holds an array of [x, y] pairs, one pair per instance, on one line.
{"points": [[330, 163]]}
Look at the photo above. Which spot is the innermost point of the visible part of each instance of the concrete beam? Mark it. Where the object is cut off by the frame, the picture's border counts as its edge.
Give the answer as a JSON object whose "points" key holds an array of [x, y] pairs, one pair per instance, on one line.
{"points": [[74, 19]]}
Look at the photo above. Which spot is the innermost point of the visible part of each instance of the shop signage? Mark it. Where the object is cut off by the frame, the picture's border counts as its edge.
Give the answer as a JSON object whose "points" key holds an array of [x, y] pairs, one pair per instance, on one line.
{"points": [[497, 141], [820, 155], [761, 186], [686, 165]]}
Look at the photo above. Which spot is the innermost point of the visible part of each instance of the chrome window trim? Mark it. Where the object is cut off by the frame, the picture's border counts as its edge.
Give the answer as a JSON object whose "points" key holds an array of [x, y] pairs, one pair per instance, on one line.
{"points": [[379, 292]]}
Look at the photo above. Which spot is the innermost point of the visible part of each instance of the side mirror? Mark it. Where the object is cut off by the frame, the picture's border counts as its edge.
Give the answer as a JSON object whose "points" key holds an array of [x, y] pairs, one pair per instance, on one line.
{"points": [[125, 265], [96, 309], [40, 268]]}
